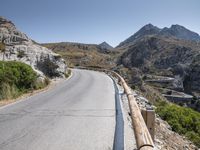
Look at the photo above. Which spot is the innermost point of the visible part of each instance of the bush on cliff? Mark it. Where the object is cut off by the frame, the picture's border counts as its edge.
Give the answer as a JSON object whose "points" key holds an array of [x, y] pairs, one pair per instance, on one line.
{"points": [[48, 67]]}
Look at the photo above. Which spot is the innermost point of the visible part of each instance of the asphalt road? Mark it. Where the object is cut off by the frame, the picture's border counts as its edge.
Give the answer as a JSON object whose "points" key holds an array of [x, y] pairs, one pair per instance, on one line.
{"points": [[77, 114]]}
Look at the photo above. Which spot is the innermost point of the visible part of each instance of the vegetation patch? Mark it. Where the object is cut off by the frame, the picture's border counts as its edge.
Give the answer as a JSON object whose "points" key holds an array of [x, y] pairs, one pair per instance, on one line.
{"points": [[68, 73], [16, 78], [48, 67], [183, 120], [21, 54], [42, 84], [77, 54]]}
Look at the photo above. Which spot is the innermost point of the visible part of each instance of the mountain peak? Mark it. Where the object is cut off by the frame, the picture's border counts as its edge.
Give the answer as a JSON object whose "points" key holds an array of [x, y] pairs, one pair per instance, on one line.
{"points": [[105, 45], [148, 26], [148, 29], [177, 26], [180, 32]]}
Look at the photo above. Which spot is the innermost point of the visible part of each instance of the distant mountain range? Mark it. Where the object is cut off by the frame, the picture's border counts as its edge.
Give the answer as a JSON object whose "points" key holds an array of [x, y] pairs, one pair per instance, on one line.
{"points": [[175, 31]]}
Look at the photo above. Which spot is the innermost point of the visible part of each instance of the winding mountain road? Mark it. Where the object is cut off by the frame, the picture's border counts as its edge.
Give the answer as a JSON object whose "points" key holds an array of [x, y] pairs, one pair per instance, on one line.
{"points": [[77, 114]]}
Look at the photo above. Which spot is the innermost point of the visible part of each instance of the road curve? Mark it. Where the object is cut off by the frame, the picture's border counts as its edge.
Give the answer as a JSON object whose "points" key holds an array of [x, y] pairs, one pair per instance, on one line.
{"points": [[77, 114]]}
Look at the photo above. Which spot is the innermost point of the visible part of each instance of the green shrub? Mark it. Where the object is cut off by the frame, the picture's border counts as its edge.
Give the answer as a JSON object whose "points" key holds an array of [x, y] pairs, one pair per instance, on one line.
{"points": [[40, 85], [48, 67], [16, 78], [133, 87], [21, 54], [182, 120], [8, 91], [17, 73], [193, 137], [68, 73]]}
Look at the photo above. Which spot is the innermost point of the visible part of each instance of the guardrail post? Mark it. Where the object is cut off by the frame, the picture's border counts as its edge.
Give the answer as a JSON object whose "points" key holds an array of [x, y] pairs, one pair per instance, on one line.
{"points": [[148, 115]]}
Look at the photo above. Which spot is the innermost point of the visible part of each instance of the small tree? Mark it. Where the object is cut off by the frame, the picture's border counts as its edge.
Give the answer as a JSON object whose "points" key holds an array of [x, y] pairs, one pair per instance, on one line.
{"points": [[3, 48], [169, 92], [48, 67]]}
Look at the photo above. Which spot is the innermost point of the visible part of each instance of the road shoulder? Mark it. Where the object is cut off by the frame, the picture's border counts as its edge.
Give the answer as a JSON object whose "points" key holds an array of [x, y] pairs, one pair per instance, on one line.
{"points": [[53, 83]]}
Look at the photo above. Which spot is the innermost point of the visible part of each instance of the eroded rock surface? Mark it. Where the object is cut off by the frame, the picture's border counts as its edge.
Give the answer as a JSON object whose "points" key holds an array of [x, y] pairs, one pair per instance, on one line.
{"points": [[21, 48]]}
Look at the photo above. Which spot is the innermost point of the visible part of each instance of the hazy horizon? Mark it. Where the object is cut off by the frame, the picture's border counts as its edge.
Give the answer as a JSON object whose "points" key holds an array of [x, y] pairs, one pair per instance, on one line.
{"points": [[93, 21]]}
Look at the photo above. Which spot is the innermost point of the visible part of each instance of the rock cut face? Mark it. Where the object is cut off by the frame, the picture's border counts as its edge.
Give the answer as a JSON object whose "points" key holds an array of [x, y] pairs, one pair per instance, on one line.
{"points": [[21, 48]]}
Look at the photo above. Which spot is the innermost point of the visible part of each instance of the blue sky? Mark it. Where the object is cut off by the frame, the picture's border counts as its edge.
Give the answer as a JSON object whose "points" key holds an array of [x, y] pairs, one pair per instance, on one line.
{"points": [[95, 21]]}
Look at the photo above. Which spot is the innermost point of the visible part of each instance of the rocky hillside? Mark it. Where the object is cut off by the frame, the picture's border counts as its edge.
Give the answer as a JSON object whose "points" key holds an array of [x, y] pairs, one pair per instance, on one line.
{"points": [[160, 53], [78, 54], [193, 78], [19, 47], [166, 52]]}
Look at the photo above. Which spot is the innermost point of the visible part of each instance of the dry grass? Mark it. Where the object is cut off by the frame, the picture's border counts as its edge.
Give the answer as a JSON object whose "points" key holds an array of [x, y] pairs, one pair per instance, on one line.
{"points": [[77, 54], [30, 93]]}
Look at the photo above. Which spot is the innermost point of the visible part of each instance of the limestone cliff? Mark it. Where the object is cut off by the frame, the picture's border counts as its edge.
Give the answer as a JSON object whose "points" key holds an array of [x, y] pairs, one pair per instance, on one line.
{"points": [[21, 48]]}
